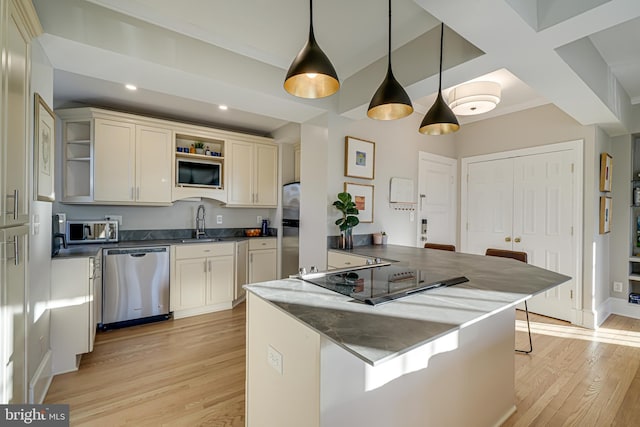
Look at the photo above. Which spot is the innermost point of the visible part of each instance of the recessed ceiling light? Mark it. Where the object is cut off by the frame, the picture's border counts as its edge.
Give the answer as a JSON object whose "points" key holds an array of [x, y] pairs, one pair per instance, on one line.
{"points": [[223, 107], [131, 87]]}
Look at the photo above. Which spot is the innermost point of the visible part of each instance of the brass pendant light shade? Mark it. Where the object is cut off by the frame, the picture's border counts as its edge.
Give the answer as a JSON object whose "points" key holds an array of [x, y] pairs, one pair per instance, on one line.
{"points": [[390, 102], [439, 120], [311, 74]]}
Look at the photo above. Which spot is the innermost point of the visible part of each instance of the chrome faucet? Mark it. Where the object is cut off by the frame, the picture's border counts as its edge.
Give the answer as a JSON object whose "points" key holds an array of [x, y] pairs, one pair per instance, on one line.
{"points": [[200, 227]]}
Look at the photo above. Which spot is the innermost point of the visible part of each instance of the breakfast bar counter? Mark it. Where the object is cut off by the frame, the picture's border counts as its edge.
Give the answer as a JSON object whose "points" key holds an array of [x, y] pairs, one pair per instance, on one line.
{"points": [[440, 357]]}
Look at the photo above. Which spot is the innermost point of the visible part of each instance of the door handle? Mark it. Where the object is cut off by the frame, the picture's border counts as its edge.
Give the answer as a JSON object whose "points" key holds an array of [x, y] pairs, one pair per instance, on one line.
{"points": [[422, 197], [517, 240], [16, 251], [16, 203], [507, 239]]}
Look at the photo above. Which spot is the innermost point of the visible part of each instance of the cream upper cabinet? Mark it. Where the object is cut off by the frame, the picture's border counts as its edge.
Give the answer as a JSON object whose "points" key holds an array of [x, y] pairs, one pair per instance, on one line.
{"points": [[114, 164], [132, 163], [253, 174], [153, 164], [14, 106]]}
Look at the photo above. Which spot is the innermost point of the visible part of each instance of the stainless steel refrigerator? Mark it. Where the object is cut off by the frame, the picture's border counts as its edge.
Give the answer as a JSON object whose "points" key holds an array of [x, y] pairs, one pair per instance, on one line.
{"points": [[290, 228]]}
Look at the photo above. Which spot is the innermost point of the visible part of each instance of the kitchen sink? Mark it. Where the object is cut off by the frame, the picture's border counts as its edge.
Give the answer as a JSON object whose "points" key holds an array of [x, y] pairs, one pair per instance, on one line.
{"points": [[205, 240]]}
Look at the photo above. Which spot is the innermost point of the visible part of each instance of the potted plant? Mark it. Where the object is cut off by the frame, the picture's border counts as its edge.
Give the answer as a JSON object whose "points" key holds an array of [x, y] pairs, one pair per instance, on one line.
{"points": [[199, 146], [349, 219]]}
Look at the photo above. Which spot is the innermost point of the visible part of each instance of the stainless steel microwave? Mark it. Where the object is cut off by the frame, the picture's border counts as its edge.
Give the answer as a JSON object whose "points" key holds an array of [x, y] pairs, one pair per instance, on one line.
{"points": [[198, 173], [91, 232]]}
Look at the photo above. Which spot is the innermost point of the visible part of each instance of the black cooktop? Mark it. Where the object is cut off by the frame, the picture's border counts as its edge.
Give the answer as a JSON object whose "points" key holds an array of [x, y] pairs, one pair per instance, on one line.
{"points": [[379, 284]]}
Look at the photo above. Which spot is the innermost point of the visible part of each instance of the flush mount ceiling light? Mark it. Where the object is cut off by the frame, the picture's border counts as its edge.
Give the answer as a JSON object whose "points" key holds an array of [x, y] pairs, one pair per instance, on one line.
{"points": [[223, 107], [439, 120], [130, 86], [390, 102], [311, 74], [474, 98]]}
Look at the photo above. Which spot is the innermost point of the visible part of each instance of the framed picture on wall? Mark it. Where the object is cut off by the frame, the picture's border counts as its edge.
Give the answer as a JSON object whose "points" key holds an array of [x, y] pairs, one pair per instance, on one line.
{"points": [[605, 214], [359, 158], [362, 195], [606, 165], [43, 150]]}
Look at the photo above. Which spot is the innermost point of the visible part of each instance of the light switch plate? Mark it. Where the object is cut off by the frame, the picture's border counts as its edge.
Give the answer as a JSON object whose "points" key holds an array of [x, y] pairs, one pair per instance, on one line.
{"points": [[259, 219], [617, 286], [218, 219]]}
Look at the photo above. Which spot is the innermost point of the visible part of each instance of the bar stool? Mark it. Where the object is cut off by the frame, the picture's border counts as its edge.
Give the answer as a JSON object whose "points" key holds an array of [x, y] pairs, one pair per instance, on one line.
{"points": [[519, 256], [440, 246]]}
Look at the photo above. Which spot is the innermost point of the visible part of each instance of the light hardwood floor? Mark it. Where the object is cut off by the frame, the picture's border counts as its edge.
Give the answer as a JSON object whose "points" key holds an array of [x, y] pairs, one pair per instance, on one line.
{"points": [[190, 372]]}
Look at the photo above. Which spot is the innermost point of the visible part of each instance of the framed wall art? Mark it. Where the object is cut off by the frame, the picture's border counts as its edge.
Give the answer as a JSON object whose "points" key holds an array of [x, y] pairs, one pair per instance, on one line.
{"points": [[359, 158], [363, 198], [606, 166], [605, 214], [43, 150]]}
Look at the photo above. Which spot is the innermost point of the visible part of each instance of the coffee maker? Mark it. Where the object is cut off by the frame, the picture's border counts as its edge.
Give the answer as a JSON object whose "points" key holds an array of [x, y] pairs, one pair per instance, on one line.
{"points": [[58, 239]]}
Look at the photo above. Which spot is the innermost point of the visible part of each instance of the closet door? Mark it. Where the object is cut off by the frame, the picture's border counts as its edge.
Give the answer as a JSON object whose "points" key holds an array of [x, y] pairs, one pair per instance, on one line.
{"points": [[543, 223], [490, 205]]}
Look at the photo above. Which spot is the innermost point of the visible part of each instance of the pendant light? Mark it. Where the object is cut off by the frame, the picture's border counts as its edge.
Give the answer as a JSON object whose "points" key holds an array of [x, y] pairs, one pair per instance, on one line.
{"points": [[390, 102], [311, 74], [439, 120]]}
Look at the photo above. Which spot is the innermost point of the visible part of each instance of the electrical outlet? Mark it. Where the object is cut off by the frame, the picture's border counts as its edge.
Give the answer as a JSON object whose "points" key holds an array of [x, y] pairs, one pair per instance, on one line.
{"points": [[259, 219], [275, 359], [617, 286], [218, 219]]}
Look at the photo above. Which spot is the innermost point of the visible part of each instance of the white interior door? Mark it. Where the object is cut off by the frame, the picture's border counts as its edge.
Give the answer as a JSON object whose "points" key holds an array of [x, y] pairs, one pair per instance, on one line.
{"points": [[437, 198], [489, 206], [543, 224], [527, 203]]}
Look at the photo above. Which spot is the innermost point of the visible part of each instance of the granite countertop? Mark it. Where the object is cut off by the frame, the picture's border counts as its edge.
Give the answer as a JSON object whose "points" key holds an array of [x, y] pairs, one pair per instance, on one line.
{"points": [[380, 333], [91, 249]]}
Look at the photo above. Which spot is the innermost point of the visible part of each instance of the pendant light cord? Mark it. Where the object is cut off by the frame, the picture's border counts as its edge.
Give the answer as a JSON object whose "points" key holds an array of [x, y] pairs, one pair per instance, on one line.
{"points": [[389, 55], [311, 15], [441, 44]]}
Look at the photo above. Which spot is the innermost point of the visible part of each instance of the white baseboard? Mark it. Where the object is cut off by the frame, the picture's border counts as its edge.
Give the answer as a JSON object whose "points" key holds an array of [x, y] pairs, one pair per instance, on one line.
{"points": [[39, 384], [179, 314], [620, 307]]}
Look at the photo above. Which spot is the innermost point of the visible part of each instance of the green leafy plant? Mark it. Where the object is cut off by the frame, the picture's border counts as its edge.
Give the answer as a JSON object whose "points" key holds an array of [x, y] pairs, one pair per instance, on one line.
{"points": [[198, 144], [349, 211]]}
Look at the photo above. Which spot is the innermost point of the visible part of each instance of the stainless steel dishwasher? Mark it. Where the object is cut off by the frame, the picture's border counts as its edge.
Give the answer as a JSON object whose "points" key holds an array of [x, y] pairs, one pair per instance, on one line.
{"points": [[135, 284]]}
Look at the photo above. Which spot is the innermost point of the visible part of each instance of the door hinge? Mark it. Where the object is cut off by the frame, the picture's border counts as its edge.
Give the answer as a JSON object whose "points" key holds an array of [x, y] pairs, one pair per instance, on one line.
{"points": [[571, 293], [572, 230], [572, 167]]}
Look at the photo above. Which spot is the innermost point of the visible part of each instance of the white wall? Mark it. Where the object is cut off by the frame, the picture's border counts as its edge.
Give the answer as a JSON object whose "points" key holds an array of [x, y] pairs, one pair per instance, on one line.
{"points": [[39, 267]]}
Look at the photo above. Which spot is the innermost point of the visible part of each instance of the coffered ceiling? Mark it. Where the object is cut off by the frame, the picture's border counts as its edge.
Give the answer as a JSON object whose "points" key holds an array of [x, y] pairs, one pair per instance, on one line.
{"points": [[190, 56]]}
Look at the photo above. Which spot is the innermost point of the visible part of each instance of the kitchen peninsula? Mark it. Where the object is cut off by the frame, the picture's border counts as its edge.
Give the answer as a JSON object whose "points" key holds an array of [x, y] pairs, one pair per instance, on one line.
{"points": [[440, 357]]}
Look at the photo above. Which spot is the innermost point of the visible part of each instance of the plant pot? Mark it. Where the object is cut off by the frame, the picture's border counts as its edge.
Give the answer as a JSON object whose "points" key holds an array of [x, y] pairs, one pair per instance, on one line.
{"points": [[377, 238], [384, 239], [199, 150], [346, 239]]}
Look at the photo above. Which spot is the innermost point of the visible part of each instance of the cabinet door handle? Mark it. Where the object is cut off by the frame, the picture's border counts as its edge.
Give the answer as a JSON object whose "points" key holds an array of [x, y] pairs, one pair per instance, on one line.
{"points": [[137, 193], [507, 239], [16, 250], [205, 266], [132, 193], [210, 269], [517, 240], [16, 203]]}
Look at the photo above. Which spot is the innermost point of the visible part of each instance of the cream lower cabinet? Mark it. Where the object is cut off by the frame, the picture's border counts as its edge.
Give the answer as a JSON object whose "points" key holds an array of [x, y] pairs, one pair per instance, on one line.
{"points": [[253, 174], [132, 163], [242, 269], [74, 290], [13, 314], [262, 260], [202, 278], [338, 259]]}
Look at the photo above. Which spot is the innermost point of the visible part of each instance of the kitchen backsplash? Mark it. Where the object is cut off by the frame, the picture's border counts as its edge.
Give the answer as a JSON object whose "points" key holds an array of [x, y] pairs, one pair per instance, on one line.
{"points": [[137, 235]]}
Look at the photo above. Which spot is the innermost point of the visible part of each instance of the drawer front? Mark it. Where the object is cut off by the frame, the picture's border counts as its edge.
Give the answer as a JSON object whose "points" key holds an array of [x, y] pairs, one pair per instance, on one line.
{"points": [[203, 250], [341, 260], [255, 244]]}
